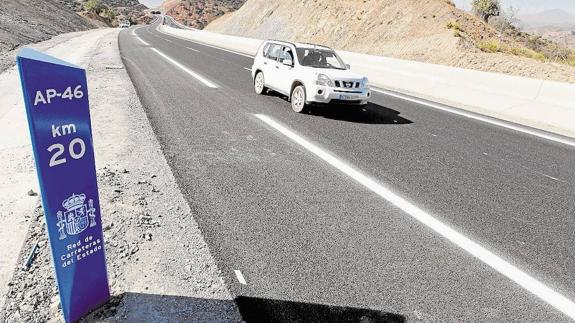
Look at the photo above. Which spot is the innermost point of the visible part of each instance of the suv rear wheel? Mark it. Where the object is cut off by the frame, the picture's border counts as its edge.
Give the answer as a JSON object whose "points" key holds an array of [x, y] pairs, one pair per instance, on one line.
{"points": [[259, 83], [298, 99]]}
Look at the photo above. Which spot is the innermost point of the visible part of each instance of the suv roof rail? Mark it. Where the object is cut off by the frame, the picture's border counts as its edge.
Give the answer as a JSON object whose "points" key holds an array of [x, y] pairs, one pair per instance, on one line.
{"points": [[282, 41], [318, 45], [295, 45]]}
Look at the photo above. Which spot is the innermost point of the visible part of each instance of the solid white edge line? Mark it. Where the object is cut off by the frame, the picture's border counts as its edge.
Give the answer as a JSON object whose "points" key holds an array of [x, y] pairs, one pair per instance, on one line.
{"points": [[204, 44], [490, 120], [141, 40], [523, 279], [240, 277], [187, 70], [193, 49]]}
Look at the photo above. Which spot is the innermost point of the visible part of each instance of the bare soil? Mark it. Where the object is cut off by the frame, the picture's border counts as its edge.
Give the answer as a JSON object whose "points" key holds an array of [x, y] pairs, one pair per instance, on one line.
{"points": [[406, 29]]}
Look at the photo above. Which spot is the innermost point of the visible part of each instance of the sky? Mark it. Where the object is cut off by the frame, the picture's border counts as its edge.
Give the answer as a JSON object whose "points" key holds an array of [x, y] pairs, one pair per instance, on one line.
{"points": [[528, 6]]}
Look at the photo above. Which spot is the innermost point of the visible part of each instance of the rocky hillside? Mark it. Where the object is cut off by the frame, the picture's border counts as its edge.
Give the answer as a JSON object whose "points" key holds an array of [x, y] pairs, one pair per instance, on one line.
{"points": [[433, 31], [109, 13], [27, 21], [127, 8], [78, 5], [199, 13], [130, 10], [122, 3]]}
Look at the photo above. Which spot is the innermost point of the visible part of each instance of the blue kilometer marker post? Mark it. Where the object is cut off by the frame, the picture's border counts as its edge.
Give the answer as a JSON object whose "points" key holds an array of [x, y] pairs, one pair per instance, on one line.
{"points": [[56, 99]]}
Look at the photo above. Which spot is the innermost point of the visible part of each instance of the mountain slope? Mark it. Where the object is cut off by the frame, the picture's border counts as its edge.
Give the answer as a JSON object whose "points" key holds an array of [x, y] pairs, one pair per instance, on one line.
{"points": [[433, 31], [199, 13], [366, 26], [122, 3], [27, 21]]}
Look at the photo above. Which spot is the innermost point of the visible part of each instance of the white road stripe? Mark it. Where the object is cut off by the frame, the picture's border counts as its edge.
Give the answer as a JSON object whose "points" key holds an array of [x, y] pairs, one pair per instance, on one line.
{"points": [[240, 277], [493, 121], [187, 70], [247, 69], [193, 49], [523, 279], [551, 177], [142, 41]]}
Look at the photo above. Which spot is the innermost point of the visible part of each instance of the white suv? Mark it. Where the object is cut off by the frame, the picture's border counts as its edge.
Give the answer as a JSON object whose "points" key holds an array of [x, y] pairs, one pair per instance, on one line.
{"points": [[314, 74]]}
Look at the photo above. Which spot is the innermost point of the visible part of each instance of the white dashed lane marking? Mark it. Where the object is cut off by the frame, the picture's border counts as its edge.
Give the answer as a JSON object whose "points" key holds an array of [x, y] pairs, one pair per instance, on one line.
{"points": [[240, 277], [195, 75]]}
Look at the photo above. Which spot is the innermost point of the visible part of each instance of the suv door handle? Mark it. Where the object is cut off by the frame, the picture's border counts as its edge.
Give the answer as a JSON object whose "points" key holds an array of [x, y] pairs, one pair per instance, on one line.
{"points": [[265, 63]]}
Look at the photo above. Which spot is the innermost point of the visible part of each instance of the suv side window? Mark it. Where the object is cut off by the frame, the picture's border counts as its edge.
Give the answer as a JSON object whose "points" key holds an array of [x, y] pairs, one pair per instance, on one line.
{"points": [[266, 50], [274, 51], [286, 53]]}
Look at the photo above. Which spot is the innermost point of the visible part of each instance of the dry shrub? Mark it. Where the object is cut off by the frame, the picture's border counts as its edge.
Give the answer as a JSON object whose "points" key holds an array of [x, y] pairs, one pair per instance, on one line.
{"points": [[490, 46], [454, 25]]}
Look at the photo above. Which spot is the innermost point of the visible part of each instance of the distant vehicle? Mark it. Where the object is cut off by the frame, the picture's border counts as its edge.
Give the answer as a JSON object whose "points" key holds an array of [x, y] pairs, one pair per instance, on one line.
{"points": [[315, 74], [125, 24], [156, 12]]}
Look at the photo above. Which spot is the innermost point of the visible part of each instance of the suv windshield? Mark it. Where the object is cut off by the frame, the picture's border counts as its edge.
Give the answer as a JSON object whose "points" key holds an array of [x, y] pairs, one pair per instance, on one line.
{"points": [[319, 58]]}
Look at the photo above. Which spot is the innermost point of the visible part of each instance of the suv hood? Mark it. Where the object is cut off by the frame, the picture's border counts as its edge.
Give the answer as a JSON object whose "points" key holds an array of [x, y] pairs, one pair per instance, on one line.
{"points": [[337, 74]]}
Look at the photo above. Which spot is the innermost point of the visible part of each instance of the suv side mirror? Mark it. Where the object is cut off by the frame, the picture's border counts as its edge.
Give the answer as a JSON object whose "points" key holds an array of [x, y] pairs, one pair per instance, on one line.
{"points": [[288, 62], [348, 66]]}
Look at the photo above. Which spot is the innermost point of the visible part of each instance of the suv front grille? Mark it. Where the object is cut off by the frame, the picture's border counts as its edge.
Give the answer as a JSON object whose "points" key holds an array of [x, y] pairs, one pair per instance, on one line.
{"points": [[347, 84]]}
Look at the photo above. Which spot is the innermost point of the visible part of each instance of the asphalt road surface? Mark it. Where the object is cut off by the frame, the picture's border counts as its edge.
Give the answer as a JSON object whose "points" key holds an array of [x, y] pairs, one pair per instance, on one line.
{"points": [[304, 232]]}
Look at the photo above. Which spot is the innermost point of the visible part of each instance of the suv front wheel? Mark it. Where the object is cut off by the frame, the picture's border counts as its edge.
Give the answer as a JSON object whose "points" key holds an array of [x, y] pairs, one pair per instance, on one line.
{"points": [[298, 99], [259, 83]]}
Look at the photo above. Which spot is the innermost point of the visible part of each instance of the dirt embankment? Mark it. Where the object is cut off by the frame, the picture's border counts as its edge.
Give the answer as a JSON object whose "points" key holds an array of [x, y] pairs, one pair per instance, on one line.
{"points": [[199, 13], [432, 31], [30, 21]]}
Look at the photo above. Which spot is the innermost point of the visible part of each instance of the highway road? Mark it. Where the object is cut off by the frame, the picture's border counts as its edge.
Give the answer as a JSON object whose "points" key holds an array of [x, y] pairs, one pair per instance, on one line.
{"points": [[353, 208]]}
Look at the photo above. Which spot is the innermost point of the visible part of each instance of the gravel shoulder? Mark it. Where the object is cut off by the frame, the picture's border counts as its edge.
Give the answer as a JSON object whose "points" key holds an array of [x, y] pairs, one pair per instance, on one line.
{"points": [[159, 265], [17, 174]]}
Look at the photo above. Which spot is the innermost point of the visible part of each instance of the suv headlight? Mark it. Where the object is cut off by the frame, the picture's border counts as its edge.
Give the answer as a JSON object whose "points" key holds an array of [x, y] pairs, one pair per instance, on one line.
{"points": [[324, 80], [364, 82]]}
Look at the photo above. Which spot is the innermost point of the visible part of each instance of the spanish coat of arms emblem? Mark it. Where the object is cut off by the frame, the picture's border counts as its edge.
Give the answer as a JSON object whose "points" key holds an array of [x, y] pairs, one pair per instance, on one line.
{"points": [[77, 217]]}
